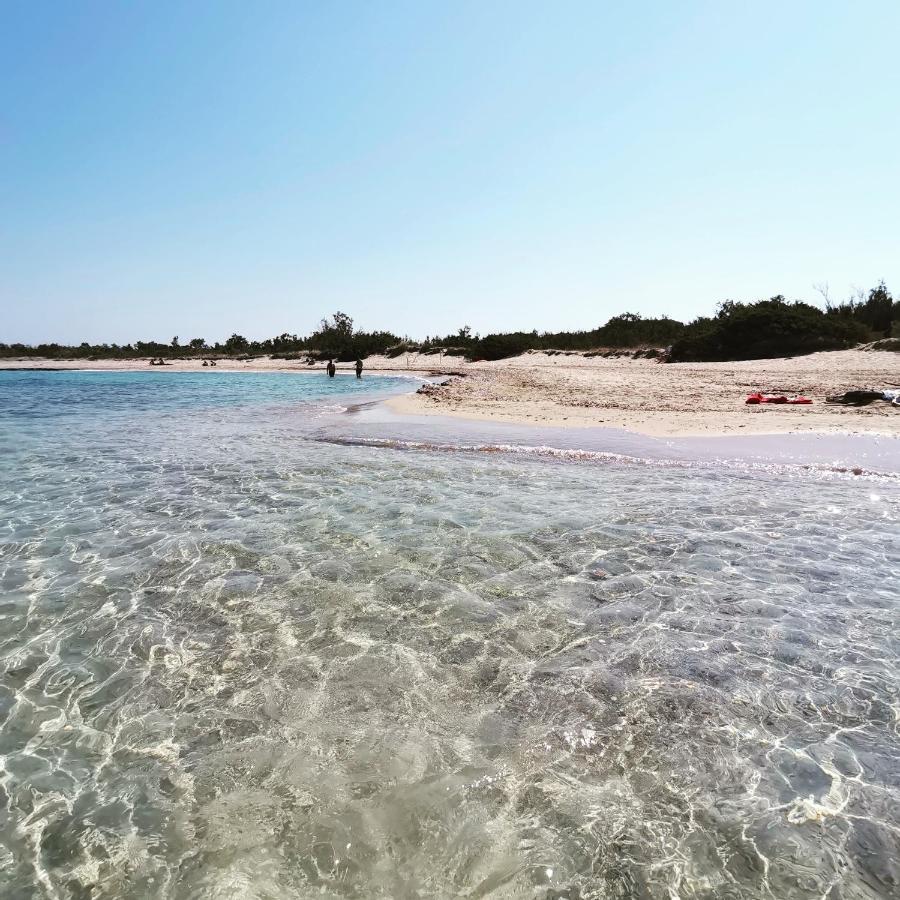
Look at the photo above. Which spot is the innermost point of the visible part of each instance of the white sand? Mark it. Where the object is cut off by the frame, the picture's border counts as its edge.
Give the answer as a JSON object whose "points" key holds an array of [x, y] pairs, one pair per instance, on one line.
{"points": [[413, 363], [661, 399], [669, 399]]}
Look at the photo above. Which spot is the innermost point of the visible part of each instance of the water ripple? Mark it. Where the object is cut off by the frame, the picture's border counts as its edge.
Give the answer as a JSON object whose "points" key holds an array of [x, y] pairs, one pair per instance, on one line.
{"points": [[235, 662]]}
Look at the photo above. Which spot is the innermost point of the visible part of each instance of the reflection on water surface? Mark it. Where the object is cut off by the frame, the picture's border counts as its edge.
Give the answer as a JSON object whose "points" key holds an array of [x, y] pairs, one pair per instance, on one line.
{"points": [[237, 662]]}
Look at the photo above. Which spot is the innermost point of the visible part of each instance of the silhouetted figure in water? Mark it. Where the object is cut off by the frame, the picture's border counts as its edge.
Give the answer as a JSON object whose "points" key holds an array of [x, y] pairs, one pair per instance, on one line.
{"points": [[359, 368], [330, 369]]}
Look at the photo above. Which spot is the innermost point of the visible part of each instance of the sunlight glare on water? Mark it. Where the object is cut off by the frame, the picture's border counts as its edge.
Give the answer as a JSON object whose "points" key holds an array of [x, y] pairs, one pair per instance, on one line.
{"points": [[238, 661]]}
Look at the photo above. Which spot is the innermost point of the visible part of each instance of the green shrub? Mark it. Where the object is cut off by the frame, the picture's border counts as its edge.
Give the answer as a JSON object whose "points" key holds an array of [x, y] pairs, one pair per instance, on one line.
{"points": [[769, 328], [399, 350]]}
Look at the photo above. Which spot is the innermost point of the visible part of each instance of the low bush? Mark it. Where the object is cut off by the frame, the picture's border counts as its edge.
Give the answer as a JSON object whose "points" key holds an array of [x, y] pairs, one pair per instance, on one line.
{"points": [[769, 328]]}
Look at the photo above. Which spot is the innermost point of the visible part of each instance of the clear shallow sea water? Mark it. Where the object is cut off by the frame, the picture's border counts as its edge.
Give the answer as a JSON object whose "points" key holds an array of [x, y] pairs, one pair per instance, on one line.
{"points": [[238, 659]]}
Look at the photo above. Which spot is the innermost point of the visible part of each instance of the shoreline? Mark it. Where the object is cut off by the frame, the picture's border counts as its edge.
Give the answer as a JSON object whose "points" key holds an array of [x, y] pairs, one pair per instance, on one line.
{"points": [[377, 424], [669, 400], [407, 364], [712, 426], [573, 391]]}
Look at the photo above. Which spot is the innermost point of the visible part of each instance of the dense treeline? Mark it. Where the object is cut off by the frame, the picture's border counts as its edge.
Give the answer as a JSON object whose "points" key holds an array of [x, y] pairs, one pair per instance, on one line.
{"points": [[334, 338], [627, 330], [776, 327], [773, 327]]}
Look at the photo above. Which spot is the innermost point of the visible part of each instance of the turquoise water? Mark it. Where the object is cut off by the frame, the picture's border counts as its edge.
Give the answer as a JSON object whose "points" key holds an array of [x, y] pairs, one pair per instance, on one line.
{"points": [[79, 394], [240, 660]]}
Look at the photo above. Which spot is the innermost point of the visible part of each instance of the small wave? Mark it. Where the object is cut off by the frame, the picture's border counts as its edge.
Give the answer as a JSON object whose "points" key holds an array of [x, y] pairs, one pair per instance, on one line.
{"points": [[612, 457]]}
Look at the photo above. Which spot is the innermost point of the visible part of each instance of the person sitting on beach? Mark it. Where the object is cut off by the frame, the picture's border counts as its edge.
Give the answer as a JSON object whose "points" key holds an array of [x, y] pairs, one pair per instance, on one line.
{"points": [[359, 368], [330, 369], [863, 398]]}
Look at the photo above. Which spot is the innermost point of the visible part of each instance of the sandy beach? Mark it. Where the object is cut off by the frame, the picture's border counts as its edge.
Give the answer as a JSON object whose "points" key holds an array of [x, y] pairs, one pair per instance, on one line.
{"points": [[640, 395], [669, 399]]}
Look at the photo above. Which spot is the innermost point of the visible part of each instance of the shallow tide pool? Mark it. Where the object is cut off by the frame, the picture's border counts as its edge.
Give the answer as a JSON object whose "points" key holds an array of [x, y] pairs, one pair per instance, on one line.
{"points": [[238, 659]]}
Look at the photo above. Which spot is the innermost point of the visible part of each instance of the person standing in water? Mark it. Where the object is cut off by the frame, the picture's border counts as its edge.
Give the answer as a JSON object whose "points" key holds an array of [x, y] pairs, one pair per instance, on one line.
{"points": [[359, 368], [330, 368]]}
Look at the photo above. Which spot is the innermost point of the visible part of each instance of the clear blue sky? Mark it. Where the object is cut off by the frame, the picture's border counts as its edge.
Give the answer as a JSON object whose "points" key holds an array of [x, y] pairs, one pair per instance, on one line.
{"points": [[198, 168]]}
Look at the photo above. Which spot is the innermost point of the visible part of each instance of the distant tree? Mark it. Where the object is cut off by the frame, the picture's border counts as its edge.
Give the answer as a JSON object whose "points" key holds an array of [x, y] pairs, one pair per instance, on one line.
{"points": [[285, 341], [821, 287], [342, 324], [334, 337], [632, 330], [877, 311], [237, 343], [768, 328], [175, 344], [197, 343]]}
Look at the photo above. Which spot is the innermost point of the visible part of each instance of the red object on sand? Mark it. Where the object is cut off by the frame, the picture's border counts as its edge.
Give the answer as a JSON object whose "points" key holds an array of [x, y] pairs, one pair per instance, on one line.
{"points": [[761, 398]]}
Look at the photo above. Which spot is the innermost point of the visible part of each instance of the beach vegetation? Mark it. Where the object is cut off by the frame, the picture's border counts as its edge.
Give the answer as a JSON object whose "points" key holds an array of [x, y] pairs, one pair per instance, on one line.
{"points": [[737, 330], [237, 343], [765, 329], [877, 310]]}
